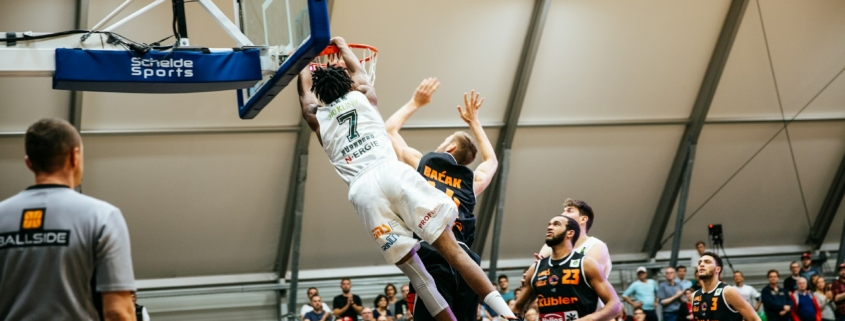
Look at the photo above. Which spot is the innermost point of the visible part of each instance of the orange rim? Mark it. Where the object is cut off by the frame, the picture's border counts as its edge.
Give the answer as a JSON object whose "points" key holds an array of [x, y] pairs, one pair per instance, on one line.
{"points": [[332, 49]]}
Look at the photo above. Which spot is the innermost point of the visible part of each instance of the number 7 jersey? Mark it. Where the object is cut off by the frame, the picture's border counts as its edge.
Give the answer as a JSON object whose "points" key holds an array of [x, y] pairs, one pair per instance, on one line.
{"points": [[353, 135]]}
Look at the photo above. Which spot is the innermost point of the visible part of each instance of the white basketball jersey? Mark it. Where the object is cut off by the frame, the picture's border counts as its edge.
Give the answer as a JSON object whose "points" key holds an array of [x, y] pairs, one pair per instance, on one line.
{"points": [[584, 248], [353, 134]]}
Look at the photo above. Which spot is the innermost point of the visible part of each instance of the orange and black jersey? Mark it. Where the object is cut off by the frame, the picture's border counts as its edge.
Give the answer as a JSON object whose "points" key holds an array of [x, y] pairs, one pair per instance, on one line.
{"points": [[712, 306], [444, 173], [563, 291]]}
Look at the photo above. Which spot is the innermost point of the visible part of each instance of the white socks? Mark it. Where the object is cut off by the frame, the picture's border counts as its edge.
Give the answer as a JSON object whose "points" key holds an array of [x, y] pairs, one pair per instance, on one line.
{"points": [[494, 301], [424, 284]]}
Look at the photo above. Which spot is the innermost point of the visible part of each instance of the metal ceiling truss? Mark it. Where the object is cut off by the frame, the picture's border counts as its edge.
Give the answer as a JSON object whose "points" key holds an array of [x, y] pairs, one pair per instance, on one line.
{"points": [[695, 125]]}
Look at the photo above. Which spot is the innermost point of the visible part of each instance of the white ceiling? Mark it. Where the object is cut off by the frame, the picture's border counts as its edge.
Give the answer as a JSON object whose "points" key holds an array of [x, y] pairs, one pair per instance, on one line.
{"points": [[211, 203]]}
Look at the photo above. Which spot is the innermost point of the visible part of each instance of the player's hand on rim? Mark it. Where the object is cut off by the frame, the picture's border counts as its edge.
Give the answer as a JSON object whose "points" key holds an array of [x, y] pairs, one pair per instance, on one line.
{"points": [[422, 96], [473, 103], [339, 42]]}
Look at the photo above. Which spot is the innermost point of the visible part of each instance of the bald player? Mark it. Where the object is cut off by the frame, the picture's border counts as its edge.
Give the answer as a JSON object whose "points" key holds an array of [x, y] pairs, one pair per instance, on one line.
{"points": [[62, 254]]}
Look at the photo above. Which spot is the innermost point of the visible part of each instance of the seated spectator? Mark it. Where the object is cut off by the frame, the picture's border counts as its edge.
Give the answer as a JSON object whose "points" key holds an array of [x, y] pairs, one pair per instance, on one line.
{"points": [[806, 308], [639, 314], [312, 291], [531, 315], [366, 315], [748, 293], [838, 291], [400, 309], [776, 302], [644, 293], [512, 305], [790, 283], [381, 309], [824, 296], [807, 269], [682, 275], [318, 311]]}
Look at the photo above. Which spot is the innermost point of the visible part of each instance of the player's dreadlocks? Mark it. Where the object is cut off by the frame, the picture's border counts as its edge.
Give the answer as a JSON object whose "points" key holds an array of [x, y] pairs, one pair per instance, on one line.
{"points": [[330, 83]]}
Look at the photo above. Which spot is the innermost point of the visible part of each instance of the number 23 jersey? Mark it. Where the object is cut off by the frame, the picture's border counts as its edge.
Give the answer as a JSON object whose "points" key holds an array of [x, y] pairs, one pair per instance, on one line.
{"points": [[353, 135], [563, 291]]}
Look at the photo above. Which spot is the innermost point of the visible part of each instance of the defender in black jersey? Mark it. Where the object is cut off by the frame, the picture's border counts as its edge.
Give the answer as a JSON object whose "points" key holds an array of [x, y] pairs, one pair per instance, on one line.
{"points": [[567, 284], [446, 169], [716, 301]]}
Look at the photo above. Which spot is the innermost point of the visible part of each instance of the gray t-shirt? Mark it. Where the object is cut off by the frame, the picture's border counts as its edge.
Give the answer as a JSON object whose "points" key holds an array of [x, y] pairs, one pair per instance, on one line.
{"points": [[665, 291], [56, 248]]}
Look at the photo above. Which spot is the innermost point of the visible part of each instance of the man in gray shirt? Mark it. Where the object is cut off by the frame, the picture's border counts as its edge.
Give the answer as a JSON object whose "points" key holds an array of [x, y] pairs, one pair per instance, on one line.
{"points": [[671, 295], [60, 251]]}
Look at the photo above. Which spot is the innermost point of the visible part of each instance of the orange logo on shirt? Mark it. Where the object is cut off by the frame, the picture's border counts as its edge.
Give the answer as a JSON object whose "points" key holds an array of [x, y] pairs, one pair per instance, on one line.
{"points": [[381, 230], [32, 219], [544, 273]]}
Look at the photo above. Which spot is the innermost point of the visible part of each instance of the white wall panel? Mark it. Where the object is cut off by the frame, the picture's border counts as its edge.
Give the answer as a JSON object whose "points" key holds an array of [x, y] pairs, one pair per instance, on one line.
{"points": [[805, 39], [610, 60], [195, 204], [25, 100], [763, 194], [116, 111], [619, 171], [332, 234], [747, 89], [466, 44], [13, 172]]}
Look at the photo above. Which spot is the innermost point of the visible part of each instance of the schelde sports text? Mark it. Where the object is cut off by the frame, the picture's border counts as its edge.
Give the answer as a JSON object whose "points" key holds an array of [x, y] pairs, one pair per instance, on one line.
{"points": [[151, 67]]}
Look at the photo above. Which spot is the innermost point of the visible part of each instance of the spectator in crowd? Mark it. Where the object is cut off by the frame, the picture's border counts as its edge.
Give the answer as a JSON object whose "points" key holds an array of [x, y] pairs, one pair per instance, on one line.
{"points": [[624, 316], [512, 305], [685, 312], [366, 315], [639, 314], [390, 293], [516, 293], [791, 282], [776, 302], [805, 306], [312, 291], [807, 269], [346, 305], [401, 306], [824, 297], [644, 292], [838, 291], [83, 264], [749, 294], [382, 318], [682, 277], [671, 295], [530, 315], [380, 307], [317, 313], [700, 248]]}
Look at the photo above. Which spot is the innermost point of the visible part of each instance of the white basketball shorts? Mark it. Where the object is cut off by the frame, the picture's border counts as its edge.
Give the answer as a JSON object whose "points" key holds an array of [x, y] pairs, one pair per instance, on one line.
{"points": [[394, 202]]}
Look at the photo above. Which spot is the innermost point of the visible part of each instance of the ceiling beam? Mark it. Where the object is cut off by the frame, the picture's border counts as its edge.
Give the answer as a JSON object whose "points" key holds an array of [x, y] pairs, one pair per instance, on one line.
{"points": [[517, 97], [831, 204], [696, 123]]}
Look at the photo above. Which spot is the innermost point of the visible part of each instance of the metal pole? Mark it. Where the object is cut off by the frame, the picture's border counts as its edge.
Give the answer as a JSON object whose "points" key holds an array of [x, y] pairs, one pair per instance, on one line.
{"points": [[840, 258], [682, 206], [500, 212], [181, 20], [297, 231]]}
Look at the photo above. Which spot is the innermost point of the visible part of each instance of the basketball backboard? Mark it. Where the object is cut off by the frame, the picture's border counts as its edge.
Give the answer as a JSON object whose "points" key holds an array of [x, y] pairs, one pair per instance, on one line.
{"points": [[294, 33]]}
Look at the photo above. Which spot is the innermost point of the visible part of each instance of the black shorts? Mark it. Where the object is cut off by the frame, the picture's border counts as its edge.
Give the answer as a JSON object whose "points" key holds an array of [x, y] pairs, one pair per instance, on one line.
{"points": [[461, 298]]}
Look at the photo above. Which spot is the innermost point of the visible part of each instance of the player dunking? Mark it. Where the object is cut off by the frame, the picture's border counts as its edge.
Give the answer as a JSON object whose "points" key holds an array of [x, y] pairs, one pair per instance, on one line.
{"points": [[716, 301], [568, 284], [446, 169], [392, 200]]}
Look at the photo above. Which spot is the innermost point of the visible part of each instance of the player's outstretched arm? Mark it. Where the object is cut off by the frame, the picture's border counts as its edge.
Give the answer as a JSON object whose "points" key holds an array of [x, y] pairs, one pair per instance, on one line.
{"points": [[356, 72], [489, 163], [612, 305], [527, 295], [422, 96], [735, 300], [308, 101]]}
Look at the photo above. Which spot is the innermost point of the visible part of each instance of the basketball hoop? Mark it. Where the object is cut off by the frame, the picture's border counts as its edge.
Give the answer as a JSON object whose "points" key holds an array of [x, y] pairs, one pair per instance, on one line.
{"points": [[368, 54]]}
